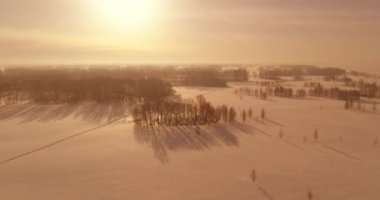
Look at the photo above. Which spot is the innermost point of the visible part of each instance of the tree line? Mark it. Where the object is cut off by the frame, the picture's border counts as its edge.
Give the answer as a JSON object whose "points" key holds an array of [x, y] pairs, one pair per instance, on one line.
{"points": [[335, 93], [360, 106], [289, 70], [370, 90], [211, 77], [54, 87], [264, 93], [240, 74]]}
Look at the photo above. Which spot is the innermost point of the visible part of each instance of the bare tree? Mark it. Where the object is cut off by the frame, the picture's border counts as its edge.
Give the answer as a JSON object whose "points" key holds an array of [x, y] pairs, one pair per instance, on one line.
{"points": [[347, 105], [310, 195], [232, 115], [263, 114], [281, 134], [316, 134], [253, 175], [225, 113], [243, 116]]}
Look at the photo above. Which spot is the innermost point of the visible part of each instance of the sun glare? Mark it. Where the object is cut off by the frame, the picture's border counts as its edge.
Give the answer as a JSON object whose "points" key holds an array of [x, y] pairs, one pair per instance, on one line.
{"points": [[126, 13]]}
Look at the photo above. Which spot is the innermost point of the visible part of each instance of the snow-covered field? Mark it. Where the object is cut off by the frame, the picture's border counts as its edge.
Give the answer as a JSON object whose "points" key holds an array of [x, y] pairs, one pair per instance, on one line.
{"points": [[96, 152]]}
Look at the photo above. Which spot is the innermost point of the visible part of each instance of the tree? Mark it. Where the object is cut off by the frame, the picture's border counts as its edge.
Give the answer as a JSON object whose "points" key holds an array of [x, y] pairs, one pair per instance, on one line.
{"points": [[253, 175], [232, 115], [243, 116], [281, 133], [316, 134], [225, 113], [263, 114], [347, 105], [309, 195]]}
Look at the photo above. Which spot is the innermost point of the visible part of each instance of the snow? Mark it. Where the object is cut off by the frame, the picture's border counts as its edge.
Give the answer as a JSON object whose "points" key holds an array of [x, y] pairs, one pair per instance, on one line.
{"points": [[104, 156]]}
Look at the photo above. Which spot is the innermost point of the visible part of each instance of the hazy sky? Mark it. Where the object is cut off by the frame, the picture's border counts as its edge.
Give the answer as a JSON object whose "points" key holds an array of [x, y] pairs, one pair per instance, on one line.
{"points": [[344, 33]]}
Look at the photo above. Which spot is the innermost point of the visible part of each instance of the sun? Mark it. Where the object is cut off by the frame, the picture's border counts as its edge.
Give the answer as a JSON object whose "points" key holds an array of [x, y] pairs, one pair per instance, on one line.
{"points": [[126, 13]]}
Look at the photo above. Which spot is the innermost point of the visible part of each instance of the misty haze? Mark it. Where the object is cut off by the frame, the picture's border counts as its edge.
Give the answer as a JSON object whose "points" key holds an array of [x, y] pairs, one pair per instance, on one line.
{"points": [[189, 99]]}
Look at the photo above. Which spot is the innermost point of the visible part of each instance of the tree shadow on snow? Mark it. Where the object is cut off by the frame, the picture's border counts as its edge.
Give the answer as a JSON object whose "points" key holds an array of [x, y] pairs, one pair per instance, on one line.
{"points": [[89, 111], [249, 129], [184, 138]]}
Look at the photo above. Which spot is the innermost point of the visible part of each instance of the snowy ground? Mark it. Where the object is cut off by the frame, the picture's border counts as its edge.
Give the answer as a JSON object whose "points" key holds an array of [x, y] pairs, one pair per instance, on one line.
{"points": [[95, 152]]}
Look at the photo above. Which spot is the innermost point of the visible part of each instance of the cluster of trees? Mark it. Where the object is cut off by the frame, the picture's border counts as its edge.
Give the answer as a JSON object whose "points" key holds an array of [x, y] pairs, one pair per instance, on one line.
{"points": [[318, 90], [211, 77], [273, 72], [370, 90], [358, 105], [328, 71], [301, 93], [335, 93], [283, 92], [236, 74], [364, 74], [178, 112], [265, 83], [298, 78], [312, 84], [278, 91], [298, 70], [202, 77], [344, 79], [258, 93]]}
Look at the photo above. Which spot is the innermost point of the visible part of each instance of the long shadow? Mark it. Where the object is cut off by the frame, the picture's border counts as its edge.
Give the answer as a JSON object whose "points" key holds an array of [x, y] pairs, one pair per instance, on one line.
{"points": [[86, 111], [271, 100], [56, 142], [274, 122], [340, 152], [265, 193], [184, 138], [320, 151], [11, 111], [294, 145], [246, 128], [371, 112]]}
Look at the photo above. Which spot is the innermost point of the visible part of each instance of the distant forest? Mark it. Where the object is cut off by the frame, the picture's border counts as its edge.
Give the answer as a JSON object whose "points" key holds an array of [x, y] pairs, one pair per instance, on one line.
{"points": [[72, 86], [105, 85], [298, 70], [180, 76]]}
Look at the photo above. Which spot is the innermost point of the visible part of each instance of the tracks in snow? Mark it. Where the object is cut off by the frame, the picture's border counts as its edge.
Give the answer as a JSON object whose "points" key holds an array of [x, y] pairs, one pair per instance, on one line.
{"points": [[59, 141]]}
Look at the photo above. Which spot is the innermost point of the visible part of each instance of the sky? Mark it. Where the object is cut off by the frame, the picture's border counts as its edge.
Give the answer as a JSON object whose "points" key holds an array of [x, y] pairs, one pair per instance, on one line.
{"points": [[338, 33]]}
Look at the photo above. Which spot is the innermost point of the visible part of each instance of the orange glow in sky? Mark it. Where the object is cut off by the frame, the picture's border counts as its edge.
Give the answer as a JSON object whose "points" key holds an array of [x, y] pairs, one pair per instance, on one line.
{"points": [[342, 33]]}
